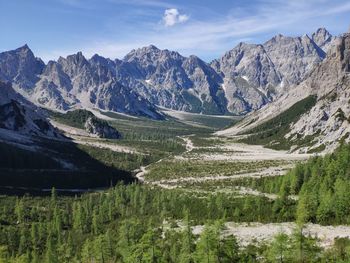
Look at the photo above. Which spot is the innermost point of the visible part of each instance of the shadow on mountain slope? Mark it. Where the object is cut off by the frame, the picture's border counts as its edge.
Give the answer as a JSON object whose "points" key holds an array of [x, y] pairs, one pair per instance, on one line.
{"points": [[58, 164]]}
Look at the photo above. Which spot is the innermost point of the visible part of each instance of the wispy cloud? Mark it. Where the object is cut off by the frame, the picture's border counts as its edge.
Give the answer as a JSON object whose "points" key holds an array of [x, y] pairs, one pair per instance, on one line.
{"points": [[149, 3], [212, 37], [172, 17]]}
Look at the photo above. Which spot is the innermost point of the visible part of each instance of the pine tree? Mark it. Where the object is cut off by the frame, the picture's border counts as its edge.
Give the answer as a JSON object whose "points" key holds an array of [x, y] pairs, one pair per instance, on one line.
{"points": [[3, 254], [207, 246], [228, 250], [280, 250], [23, 242], [50, 255], [187, 244], [325, 210], [19, 210]]}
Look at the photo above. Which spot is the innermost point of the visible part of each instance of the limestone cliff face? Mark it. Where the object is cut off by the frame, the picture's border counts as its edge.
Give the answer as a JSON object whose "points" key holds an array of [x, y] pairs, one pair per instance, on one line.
{"points": [[293, 57], [329, 119], [170, 80]]}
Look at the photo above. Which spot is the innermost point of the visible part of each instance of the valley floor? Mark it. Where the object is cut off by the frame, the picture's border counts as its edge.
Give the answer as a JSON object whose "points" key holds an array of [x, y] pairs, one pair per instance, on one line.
{"points": [[246, 161], [210, 165], [236, 161], [185, 172]]}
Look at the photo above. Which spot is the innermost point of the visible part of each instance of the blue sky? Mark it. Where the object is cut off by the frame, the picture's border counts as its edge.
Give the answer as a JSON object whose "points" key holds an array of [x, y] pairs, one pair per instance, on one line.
{"points": [[206, 28]]}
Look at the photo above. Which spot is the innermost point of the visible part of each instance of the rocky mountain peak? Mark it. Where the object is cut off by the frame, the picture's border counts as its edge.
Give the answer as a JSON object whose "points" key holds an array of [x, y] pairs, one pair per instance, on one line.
{"points": [[74, 65], [139, 52], [152, 55], [195, 60], [277, 37], [99, 59], [293, 57], [24, 49], [151, 48], [51, 66], [20, 67], [244, 79], [321, 37], [77, 59]]}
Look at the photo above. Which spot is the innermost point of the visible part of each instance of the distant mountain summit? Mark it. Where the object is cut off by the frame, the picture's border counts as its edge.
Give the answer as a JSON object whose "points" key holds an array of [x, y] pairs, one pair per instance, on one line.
{"points": [[20, 67], [323, 38], [243, 80]]}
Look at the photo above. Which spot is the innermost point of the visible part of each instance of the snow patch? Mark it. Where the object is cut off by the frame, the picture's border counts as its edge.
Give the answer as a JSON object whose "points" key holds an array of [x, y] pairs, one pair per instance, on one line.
{"points": [[245, 78]]}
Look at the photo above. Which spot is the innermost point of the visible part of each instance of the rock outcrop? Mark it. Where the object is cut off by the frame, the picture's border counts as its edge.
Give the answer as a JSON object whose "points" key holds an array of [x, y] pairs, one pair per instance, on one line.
{"points": [[101, 129]]}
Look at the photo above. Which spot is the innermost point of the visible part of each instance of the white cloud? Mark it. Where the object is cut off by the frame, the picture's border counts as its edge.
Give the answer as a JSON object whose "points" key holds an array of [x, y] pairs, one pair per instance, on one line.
{"points": [[172, 17]]}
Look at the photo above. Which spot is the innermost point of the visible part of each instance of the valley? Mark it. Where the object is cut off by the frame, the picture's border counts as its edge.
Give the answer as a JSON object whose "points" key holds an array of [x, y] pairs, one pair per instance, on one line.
{"points": [[190, 176], [163, 158]]}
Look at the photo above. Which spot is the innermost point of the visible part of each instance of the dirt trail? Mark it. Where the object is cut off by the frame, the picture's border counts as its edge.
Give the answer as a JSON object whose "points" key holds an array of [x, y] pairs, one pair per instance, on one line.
{"points": [[140, 173], [188, 143]]}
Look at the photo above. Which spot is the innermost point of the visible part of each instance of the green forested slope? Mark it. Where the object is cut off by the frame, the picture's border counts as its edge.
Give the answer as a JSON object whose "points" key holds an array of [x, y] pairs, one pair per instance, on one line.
{"points": [[271, 133]]}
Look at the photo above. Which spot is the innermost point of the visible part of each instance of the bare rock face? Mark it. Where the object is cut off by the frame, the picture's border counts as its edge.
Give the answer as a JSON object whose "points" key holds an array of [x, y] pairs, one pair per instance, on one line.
{"points": [[20, 67], [251, 62], [323, 39], [329, 119], [170, 80], [249, 77], [268, 71], [89, 83], [293, 57], [54, 87], [72, 82]]}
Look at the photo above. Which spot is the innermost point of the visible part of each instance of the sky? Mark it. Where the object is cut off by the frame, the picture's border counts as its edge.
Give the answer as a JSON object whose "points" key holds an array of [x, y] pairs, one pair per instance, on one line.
{"points": [[206, 28]]}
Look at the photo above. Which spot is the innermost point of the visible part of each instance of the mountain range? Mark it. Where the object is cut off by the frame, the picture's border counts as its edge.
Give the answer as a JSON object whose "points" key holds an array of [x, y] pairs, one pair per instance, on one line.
{"points": [[243, 80]]}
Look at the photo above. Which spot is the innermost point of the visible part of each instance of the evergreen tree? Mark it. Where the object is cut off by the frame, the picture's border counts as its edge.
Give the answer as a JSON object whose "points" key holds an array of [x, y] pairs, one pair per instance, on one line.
{"points": [[280, 250], [207, 246]]}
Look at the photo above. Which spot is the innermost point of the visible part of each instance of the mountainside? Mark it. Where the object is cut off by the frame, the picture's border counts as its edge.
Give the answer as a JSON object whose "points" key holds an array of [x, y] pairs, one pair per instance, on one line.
{"points": [[71, 82], [249, 77], [20, 67], [327, 122], [293, 57], [16, 114], [243, 80], [329, 119], [170, 80]]}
